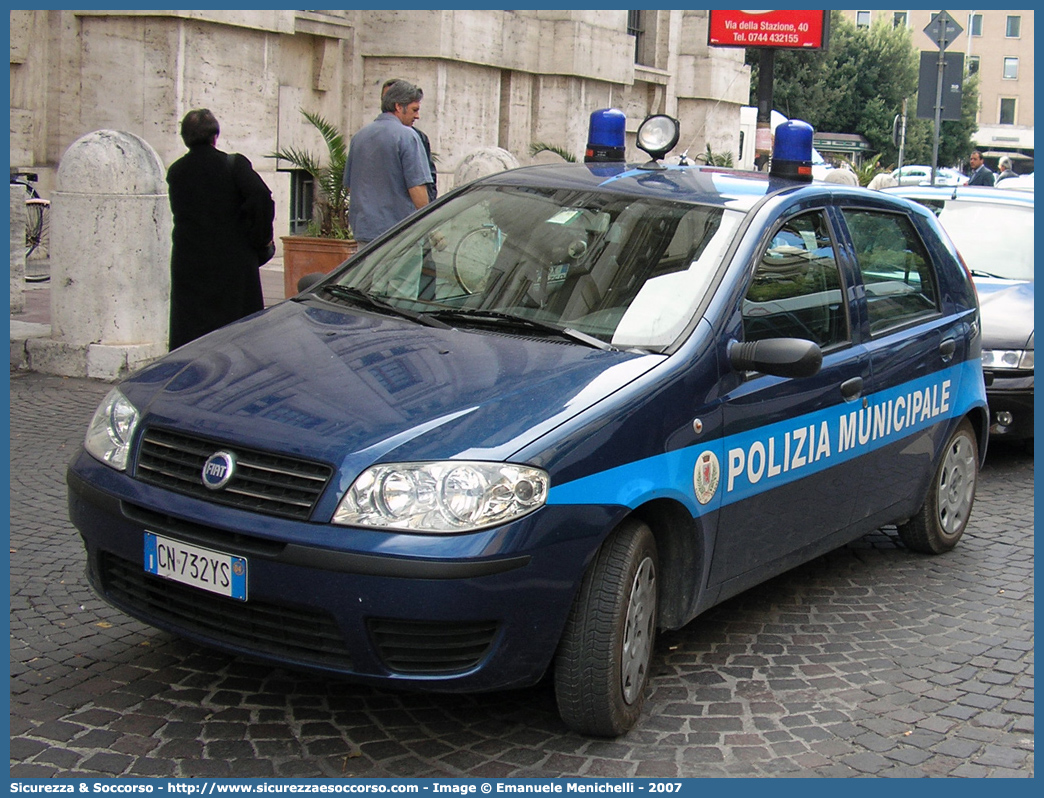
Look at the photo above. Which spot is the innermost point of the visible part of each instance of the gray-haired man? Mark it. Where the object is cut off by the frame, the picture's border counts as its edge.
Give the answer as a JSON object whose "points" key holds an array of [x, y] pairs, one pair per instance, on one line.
{"points": [[387, 169]]}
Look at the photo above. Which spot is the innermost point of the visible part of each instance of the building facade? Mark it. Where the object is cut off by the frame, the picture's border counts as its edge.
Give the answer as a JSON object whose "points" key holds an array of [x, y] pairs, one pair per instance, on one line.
{"points": [[492, 79], [998, 46]]}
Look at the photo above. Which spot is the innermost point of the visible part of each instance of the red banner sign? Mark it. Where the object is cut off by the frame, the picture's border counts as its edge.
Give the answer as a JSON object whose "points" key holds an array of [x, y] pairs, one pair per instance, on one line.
{"points": [[797, 29]]}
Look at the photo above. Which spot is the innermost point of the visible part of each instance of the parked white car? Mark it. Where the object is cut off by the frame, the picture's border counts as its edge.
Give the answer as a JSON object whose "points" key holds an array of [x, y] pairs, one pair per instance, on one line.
{"points": [[921, 175]]}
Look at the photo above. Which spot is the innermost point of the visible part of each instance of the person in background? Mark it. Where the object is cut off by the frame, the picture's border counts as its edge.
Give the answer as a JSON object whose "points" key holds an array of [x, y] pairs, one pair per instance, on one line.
{"points": [[223, 214], [387, 169], [1004, 164], [433, 190], [980, 174]]}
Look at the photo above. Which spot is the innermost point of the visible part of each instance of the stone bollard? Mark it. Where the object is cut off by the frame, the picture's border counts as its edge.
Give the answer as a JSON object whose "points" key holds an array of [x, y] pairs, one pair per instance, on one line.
{"points": [[110, 259], [482, 162], [17, 248]]}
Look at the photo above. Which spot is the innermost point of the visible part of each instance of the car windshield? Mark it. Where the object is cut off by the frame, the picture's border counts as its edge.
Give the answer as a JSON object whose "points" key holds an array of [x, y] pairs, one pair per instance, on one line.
{"points": [[614, 270], [993, 239]]}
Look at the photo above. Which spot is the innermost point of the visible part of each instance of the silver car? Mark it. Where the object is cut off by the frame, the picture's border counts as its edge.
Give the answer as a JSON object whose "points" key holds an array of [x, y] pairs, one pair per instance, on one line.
{"points": [[993, 231]]}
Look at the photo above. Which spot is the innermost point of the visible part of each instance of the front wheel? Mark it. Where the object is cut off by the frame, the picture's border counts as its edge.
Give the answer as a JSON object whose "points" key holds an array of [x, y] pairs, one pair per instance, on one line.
{"points": [[941, 521], [602, 666]]}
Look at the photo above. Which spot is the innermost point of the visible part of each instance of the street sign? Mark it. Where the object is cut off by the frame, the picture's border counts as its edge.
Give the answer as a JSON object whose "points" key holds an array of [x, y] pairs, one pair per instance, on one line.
{"points": [[943, 29], [952, 86], [798, 29]]}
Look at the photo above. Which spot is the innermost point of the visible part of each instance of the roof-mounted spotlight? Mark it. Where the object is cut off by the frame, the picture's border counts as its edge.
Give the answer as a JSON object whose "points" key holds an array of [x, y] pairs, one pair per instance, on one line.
{"points": [[657, 136]]}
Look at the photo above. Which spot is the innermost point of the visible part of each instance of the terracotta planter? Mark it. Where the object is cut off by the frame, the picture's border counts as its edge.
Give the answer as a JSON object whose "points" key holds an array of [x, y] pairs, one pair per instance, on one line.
{"points": [[305, 255]]}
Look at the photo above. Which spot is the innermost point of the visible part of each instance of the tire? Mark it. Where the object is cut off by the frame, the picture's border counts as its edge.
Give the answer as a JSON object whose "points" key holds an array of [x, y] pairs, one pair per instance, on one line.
{"points": [[603, 662], [36, 224], [941, 521]]}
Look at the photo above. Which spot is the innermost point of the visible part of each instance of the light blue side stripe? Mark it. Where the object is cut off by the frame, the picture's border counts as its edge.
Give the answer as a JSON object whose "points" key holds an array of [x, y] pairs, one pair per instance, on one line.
{"points": [[776, 454]]}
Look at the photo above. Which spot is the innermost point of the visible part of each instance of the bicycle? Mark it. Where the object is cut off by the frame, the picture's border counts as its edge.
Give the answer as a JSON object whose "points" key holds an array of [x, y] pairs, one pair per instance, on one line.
{"points": [[37, 213]]}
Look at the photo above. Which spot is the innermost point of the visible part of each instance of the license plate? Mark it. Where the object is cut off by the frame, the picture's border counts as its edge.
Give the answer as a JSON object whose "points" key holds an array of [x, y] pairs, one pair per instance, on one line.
{"points": [[213, 571]]}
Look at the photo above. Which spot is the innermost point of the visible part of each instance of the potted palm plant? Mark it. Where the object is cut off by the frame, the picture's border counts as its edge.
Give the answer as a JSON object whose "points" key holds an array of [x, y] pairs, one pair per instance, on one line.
{"points": [[328, 240]]}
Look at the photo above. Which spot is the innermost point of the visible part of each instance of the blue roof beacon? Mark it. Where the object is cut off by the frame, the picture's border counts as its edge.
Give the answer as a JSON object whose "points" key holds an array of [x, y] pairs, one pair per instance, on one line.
{"points": [[606, 136], [792, 151]]}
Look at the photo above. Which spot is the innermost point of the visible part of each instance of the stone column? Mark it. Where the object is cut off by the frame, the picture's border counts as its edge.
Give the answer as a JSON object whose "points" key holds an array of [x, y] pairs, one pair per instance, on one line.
{"points": [[17, 248], [110, 259]]}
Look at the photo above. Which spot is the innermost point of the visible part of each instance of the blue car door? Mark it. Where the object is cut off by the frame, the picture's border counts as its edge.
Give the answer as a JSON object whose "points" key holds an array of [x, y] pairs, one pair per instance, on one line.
{"points": [[785, 486], [917, 345]]}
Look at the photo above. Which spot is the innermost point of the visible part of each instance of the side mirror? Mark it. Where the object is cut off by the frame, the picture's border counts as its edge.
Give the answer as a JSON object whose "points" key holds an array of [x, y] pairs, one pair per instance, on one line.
{"points": [[306, 282], [780, 357]]}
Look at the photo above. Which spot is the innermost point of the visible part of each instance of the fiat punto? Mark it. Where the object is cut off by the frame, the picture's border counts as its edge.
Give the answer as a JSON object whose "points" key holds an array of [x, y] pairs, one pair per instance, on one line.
{"points": [[560, 409]]}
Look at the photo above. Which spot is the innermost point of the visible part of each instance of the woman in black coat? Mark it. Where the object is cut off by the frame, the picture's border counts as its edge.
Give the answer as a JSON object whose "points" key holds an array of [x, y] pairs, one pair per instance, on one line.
{"points": [[223, 214]]}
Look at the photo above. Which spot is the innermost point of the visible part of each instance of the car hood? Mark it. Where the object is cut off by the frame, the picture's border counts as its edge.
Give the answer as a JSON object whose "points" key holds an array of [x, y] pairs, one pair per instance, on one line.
{"points": [[1007, 312], [352, 389]]}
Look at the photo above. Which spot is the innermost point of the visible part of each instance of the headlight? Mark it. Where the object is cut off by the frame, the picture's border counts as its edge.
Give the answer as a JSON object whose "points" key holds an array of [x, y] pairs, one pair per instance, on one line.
{"points": [[1007, 359], [442, 497], [109, 435]]}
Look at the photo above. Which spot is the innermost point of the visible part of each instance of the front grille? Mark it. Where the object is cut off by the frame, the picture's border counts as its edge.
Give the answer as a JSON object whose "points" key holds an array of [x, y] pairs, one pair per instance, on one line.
{"points": [[431, 647], [304, 636], [263, 483]]}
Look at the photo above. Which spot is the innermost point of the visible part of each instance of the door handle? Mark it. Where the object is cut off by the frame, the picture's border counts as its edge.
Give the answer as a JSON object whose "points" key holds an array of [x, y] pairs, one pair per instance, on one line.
{"points": [[947, 348], [851, 389]]}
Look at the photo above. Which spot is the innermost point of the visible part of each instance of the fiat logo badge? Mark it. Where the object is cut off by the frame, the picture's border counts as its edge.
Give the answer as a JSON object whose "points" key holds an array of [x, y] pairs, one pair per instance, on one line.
{"points": [[218, 470]]}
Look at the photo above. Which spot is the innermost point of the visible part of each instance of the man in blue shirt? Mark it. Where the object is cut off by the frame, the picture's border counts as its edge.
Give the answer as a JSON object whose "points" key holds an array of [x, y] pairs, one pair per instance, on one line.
{"points": [[433, 191], [387, 169]]}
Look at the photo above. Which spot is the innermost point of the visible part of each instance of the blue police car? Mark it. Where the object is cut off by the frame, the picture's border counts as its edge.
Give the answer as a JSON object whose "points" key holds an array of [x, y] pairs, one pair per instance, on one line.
{"points": [[560, 409]]}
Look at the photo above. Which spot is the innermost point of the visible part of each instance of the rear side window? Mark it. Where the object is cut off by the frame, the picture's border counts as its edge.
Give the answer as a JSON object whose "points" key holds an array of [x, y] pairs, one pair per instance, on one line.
{"points": [[796, 291], [897, 272]]}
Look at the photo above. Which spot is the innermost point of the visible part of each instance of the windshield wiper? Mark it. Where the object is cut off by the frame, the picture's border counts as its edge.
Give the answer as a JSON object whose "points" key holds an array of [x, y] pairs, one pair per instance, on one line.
{"points": [[500, 319], [367, 300], [981, 273]]}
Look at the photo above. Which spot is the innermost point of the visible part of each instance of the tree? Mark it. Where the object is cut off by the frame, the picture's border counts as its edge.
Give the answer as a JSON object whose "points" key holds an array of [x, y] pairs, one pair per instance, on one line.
{"points": [[331, 199], [858, 85]]}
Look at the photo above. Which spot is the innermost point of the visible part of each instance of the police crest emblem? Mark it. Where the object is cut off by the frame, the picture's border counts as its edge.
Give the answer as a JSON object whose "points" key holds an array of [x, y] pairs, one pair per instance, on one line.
{"points": [[706, 476]]}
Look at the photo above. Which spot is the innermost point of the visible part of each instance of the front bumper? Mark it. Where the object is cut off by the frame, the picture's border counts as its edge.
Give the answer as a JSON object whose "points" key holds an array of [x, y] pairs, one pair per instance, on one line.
{"points": [[1011, 406], [486, 620]]}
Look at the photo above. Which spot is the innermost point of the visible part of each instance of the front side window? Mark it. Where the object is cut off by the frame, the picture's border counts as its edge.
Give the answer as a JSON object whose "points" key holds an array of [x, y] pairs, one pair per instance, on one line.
{"points": [[1013, 27], [626, 271], [896, 270], [862, 19], [796, 292], [973, 64], [899, 19], [975, 24], [1011, 68]]}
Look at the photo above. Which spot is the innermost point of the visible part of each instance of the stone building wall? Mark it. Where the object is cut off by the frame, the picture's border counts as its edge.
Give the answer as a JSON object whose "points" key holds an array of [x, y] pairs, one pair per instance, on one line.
{"points": [[491, 79]]}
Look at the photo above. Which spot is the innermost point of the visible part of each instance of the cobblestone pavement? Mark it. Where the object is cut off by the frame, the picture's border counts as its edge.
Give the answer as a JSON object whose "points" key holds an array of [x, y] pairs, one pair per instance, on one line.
{"points": [[871, 660]]}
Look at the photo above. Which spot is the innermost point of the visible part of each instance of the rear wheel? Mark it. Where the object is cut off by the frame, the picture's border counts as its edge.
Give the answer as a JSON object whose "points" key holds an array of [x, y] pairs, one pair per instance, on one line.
{"points": [[941, 521], [603, 662]]}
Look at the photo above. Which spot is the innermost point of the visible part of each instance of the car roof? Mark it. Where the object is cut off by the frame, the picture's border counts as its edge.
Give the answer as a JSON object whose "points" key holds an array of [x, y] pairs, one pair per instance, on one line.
{"points": [[970, 193], [731, 188], [1017, 183]]}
